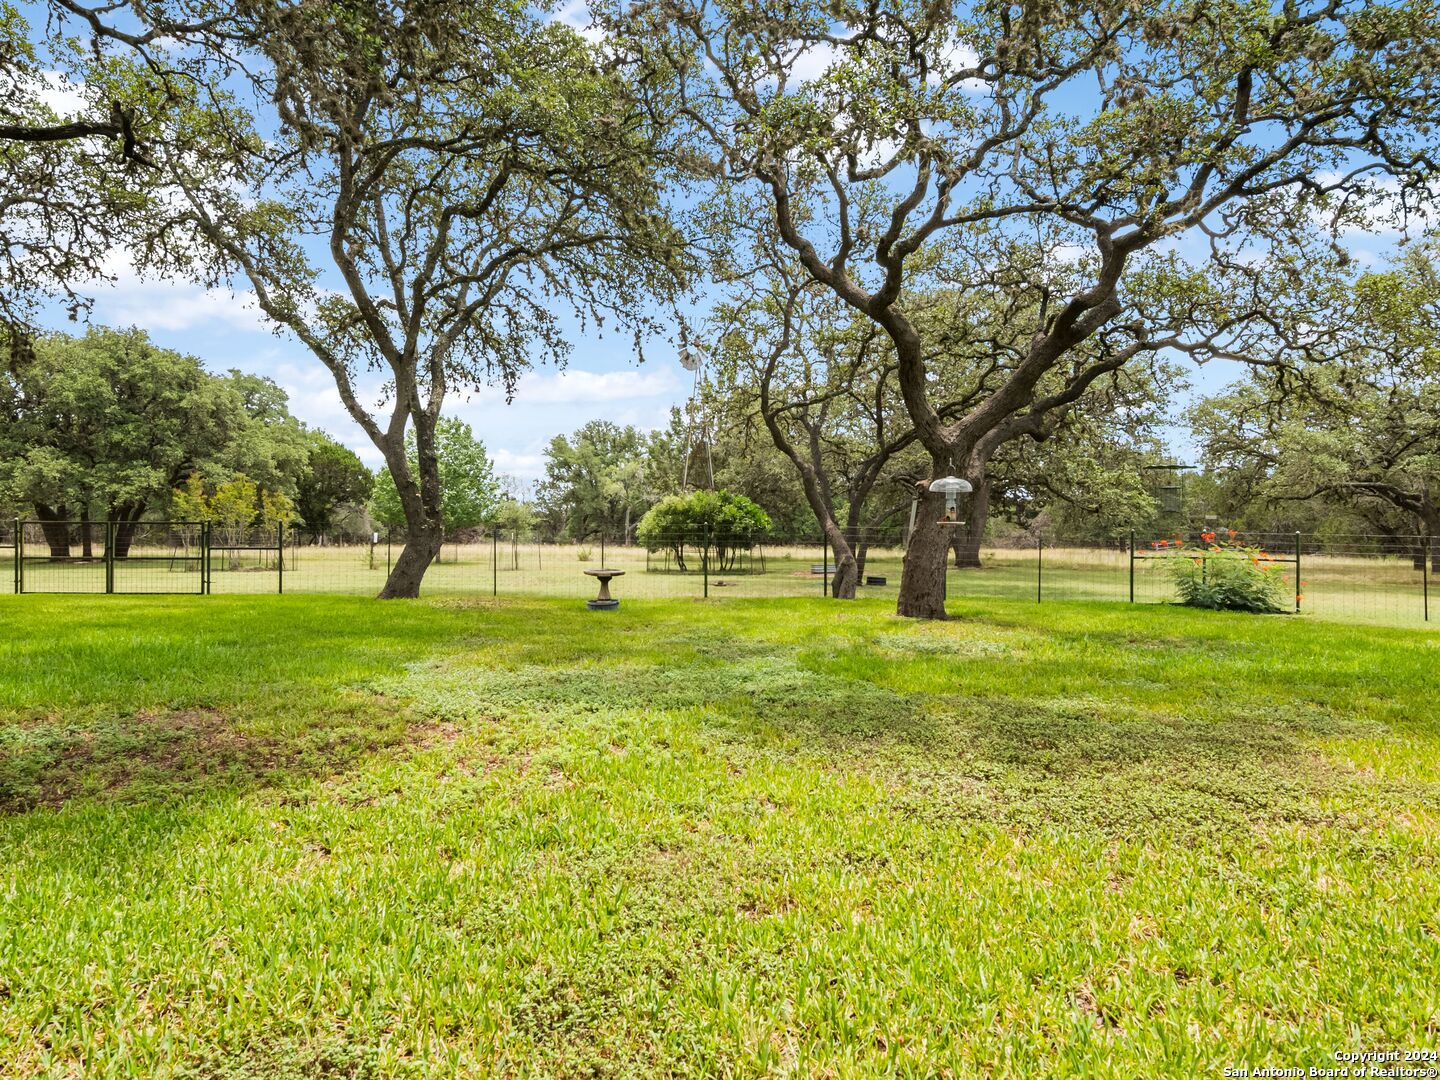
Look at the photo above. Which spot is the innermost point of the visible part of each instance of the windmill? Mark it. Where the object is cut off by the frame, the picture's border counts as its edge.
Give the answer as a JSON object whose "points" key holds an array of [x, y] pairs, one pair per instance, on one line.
{"points": [[697, 427]]}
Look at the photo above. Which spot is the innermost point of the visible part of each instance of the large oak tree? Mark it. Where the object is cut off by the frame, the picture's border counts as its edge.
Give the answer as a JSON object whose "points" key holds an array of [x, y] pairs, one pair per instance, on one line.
{"points": [[898, 147], [428, 185]]}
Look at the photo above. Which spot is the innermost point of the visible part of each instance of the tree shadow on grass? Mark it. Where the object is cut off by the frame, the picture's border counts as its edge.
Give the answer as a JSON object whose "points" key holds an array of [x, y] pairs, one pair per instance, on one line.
{"points": [[165, 756], [1089, 765]]}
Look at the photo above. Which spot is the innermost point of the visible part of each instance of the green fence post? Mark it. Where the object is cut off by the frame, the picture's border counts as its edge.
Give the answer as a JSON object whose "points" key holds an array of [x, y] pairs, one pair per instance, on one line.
{"points": [[20, 553], [109, 556], [18, 546], [705, 558], [1039, 563], [824, 568], [1297, 571], [1425, 577], [280, 544], [204, 558], [1132, 566], [495, 561]]}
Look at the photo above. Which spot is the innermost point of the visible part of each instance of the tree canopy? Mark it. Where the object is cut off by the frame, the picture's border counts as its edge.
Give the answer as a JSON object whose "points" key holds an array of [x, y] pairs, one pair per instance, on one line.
{"points": [[436, 183], [334, 479], [595, 481], [1361, 428], [107, 424], [92, 97], [1054, 158]]}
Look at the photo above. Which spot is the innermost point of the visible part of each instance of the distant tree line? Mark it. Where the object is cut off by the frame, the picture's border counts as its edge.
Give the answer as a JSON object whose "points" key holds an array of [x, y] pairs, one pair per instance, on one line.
{"points": [[110, 427]]}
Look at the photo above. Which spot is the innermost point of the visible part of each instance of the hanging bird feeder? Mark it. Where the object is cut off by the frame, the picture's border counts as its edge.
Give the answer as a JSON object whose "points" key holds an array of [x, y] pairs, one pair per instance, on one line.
{"points": [[953, 487]]}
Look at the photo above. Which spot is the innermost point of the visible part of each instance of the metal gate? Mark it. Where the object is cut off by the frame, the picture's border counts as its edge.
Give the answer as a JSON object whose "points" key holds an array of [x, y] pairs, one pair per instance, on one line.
{"points": [[155, 557]]}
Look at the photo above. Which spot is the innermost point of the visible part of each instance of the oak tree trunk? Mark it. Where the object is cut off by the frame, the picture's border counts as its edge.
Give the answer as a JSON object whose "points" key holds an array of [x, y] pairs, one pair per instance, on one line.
{"points": [[126, 517], [845, 575], [922, 581], [422, 545], [55, 529]]}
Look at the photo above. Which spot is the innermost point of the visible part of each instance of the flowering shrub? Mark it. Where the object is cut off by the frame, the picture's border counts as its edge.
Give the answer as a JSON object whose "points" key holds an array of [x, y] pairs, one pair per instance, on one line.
{"points": [[1233, 577]]}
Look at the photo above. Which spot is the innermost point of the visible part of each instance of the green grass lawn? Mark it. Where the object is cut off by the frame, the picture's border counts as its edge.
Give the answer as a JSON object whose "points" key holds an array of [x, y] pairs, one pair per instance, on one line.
{"points": [[323, 836]]}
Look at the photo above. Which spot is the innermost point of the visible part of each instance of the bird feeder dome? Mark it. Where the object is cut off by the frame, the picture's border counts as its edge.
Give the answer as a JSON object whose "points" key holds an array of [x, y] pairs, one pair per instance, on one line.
{"points": [[952, 487]]}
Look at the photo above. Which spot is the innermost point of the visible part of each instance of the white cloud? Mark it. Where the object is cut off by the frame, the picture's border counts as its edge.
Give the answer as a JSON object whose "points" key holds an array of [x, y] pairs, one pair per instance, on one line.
{"points": [[575, 386], [1379, 209], [578, 386], [157, 304], [226, 330], [545, 404], [576, 15], [811, 61], [1070, 254], [525, 467], [65, 98], [959, 57]]}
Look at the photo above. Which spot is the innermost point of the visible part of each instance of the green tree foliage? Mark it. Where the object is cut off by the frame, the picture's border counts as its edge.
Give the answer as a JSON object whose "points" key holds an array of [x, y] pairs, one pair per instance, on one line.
{"points": [[233, 509], [467, 478], [107, 424], [595, 481], [334, 479], [93, 99], [1088, 478], [1051, 160], [1359, 427], [719, 522], [275, 448], [722, 433]]}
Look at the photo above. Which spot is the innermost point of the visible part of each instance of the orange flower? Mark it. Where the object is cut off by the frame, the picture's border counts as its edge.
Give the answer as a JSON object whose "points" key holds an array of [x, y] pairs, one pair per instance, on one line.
{"points": [[1208, 537]]}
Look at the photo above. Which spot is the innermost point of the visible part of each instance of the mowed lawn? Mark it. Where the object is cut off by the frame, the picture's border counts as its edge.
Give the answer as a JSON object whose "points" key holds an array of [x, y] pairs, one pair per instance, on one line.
{"points": [[328, 837]]}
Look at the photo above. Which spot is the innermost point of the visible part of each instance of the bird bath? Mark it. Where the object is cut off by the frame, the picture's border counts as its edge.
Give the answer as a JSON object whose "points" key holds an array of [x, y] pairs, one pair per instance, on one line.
{"points": [[604, 602]]}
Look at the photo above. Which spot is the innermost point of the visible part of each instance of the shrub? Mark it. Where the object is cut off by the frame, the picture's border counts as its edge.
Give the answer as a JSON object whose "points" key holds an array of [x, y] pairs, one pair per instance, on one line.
{"points": [[732, 522], [1233, 577]]}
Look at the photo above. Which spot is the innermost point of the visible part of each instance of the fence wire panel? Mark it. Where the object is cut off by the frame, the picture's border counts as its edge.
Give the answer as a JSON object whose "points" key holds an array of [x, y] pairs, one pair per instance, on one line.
{"points": [[1369, 579], [158, 557], [680, 566], [62, 557], [1386, 580], [8, 532], [1072, 569], [246, 560], [108, 557]]}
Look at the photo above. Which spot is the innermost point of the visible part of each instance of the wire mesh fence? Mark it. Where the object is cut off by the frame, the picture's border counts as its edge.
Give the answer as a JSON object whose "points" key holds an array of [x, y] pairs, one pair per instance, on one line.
{"points": [[689, 565], [107, 557], [1361, 579]]}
